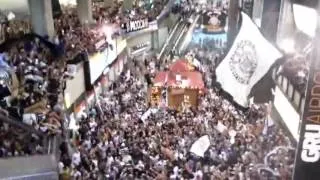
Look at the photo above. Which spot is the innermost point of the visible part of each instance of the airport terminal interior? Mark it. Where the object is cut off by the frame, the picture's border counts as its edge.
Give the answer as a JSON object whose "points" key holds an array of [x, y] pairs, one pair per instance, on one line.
{"points": [[159, 89]]}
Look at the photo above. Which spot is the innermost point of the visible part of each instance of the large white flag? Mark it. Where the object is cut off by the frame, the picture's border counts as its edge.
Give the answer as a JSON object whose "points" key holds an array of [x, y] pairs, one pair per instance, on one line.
{"points": [[248, 60]]}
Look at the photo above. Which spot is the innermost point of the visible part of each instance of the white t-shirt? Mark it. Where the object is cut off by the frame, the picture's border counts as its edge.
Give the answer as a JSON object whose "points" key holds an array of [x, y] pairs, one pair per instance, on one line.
{"points": [[76, 158], [92, 125]]}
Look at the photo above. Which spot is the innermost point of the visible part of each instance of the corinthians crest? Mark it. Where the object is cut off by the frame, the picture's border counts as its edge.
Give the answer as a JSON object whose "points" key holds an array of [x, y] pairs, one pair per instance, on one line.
{"points": [[243, 61]]}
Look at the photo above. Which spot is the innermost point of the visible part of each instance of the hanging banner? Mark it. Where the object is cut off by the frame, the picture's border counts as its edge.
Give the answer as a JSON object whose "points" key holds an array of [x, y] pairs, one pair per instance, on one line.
{"points": [[307, 162]]}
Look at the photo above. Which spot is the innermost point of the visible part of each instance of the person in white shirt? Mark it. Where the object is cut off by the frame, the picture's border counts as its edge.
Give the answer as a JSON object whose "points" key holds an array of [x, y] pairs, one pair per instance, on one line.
{"points": [[76, 158]]}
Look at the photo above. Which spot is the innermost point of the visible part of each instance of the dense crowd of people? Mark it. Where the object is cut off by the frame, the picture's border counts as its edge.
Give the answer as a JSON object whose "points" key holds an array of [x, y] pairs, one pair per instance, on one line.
{"points": [[25, 76], [34, 77], [75, 37], [13, 29], [15, 141], [31, 80], [114, 142]]}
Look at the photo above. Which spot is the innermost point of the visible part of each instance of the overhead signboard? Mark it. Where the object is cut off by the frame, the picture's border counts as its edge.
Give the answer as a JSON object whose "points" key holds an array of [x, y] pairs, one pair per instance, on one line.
{"points": [[135, 25]]}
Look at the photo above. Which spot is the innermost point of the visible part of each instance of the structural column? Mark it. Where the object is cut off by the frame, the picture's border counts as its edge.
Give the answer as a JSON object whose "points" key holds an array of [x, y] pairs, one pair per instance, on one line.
{"points": [[41, 17], [233, 17], [270, 19], [155, 40], [257, 11], [84, 8], [286, 23], [127, 4]]}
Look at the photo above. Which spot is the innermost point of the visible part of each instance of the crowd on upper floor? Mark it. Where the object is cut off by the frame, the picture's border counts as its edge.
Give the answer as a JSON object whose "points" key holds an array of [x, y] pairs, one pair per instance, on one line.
{"points": [[75, 37], [35, 79]]}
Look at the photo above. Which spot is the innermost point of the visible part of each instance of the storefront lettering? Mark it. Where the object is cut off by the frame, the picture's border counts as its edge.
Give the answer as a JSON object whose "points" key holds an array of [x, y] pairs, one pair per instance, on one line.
{"points": [[137, 25], [311, 139], [311, 144]]}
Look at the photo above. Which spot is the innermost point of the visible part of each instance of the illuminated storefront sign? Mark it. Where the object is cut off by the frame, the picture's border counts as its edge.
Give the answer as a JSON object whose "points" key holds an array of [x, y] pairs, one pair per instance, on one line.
{"points": [[135, 25]]}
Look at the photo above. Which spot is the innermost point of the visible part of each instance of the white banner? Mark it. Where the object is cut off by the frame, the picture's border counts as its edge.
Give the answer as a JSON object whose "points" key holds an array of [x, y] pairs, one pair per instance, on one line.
{"points": [[248, 60], [200, 146]]}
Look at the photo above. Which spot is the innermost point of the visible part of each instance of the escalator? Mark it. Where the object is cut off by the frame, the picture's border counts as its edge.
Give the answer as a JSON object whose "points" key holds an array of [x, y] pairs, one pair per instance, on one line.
{"points": [[168, 48], [187, 37], [178, 37], [175, 37], [34, 166]]}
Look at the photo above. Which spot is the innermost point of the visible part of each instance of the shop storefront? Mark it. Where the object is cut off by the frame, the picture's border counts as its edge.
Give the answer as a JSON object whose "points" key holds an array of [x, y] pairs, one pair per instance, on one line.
{"points": [[117, 67], [72, 95], [111, 73], [92, 77], [104, 68], [139, 44]]}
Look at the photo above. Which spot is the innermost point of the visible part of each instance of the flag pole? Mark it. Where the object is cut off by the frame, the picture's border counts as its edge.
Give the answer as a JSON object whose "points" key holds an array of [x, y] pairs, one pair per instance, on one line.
{"points": [[233, 16], [307, 160]]}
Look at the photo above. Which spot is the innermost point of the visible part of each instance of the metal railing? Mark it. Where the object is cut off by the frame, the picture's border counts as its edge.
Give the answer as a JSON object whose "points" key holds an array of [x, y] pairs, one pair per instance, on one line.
{"points": [[295, 97], [30, 167], [34, 166]]}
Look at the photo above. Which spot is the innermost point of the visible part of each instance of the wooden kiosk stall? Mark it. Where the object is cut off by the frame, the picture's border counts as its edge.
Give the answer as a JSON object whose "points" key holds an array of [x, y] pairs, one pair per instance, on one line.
{"points": [[181, 84]]}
